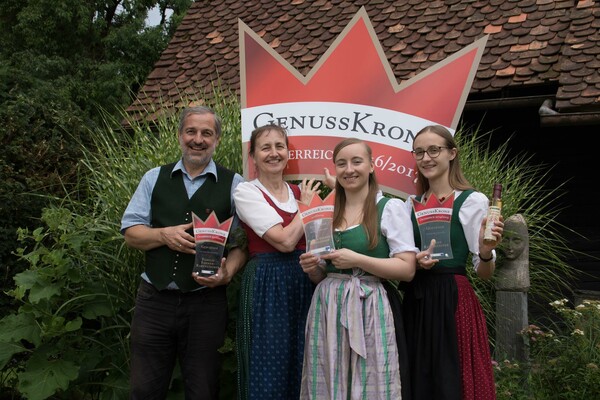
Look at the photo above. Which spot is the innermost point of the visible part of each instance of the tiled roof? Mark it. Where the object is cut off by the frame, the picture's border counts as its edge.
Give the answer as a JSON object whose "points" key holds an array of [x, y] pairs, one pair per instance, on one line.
{"points": [[534, 46]]}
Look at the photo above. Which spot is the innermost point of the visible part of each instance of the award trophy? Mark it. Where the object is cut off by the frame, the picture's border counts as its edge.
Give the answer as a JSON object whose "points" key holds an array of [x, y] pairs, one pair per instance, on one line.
{"points": [[317, 219], [434, 219], [210, 236]]}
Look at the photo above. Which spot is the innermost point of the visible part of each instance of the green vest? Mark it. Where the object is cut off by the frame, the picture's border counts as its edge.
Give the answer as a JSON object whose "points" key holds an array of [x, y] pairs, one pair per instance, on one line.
{"points": [[170, 206], [460, 247], [356, 240]]}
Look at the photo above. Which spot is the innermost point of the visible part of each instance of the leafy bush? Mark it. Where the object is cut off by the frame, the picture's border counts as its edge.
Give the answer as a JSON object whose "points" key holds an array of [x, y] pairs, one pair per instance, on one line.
{"points": [[69, 337], [512, 381], [524, 191], [565, 360]]}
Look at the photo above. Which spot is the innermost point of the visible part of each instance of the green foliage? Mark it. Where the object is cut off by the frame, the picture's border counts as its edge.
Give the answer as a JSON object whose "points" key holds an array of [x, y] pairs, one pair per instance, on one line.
{"points": [[512, 381], [60, 61], [70, 334], [524, 191], [564, 362], [70, 329]]}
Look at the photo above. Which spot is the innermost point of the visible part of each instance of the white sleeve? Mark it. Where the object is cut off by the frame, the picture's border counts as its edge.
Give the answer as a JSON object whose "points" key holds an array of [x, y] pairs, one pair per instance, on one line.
{"points": [[472, 212], [397, 227], [253, 209]]}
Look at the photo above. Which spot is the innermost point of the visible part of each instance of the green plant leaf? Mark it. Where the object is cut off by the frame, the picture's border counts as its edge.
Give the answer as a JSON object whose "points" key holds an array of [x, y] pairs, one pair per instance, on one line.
{"points": [[17, 327], [43, 292], [26, 279], [73, 325], [7, 350], [98, 308], [115, 388], [43, 378]]}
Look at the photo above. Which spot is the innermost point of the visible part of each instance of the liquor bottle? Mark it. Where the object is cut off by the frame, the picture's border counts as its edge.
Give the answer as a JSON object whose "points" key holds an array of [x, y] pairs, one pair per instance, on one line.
{"points": [[493, 213]]}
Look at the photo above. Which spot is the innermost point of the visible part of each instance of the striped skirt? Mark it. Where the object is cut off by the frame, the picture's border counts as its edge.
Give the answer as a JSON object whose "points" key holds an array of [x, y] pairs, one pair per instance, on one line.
{"points": [[350, 347]]}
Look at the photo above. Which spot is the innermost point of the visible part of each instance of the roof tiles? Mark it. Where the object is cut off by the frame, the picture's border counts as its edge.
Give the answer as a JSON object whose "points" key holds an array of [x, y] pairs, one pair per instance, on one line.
{"points": [[531, 43]]}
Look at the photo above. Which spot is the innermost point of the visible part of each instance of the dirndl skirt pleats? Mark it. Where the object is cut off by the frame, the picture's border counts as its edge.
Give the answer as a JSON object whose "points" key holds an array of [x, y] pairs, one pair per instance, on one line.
{"points": [[351, 350], [275, 296]]}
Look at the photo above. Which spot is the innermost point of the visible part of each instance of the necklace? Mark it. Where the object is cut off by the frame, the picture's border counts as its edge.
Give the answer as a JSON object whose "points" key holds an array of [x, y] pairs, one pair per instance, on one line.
{"points": [[440, 199]]}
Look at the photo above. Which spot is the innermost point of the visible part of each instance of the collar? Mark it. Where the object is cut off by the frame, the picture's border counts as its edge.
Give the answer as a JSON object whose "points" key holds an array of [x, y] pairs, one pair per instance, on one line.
{"points": [[211, 168]]}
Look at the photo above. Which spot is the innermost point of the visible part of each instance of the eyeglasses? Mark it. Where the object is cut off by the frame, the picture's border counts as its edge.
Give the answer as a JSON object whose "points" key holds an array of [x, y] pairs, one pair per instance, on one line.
{"points": [[432, 151]]}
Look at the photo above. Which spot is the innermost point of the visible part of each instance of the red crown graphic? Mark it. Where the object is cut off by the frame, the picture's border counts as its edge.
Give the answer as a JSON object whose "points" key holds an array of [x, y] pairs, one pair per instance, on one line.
{"points": [[267, 78], [433, 202], [317, 209], [212, 222], [316, 201], [355, 78], [438, 210]]}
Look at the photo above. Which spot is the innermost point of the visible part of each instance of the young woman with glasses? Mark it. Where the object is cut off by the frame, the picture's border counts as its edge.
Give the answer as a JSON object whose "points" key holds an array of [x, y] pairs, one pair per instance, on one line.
{"points": [[446, 330]]}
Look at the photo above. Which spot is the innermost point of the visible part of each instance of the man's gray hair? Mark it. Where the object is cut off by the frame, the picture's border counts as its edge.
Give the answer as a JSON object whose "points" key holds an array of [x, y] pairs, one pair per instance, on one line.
{"points": [[200, 110]]}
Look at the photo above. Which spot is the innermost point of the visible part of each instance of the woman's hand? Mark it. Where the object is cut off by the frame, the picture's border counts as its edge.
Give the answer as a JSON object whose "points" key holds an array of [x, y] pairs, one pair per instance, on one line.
{"points": [[329, 180], [497, 231], [312, 265], [309, 262], [308, 189], [342, 258], [424, 259]]}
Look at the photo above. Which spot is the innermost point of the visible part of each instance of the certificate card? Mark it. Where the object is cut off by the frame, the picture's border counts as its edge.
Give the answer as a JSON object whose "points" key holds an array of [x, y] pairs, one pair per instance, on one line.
{"points": [[434, 218], [210, 237], [317, 220]]}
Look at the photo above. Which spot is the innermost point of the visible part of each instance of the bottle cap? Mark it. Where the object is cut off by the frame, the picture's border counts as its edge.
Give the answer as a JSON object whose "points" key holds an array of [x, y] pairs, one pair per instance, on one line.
{"points": [[497, 190]]}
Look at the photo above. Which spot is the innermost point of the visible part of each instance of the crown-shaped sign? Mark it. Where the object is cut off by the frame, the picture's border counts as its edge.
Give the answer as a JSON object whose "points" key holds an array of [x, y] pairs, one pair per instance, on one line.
{"points": [[350, 92], [442, 90], [318, 208], [433, 202], [212, 222], [317, 219]]}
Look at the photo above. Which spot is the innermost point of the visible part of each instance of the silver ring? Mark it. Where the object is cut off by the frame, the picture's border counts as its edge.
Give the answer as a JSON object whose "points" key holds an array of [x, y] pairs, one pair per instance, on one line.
{"points": [[179, 244], [426, 258]]}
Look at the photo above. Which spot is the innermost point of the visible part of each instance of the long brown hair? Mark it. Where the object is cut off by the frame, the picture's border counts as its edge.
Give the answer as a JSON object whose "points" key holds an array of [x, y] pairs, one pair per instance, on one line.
{"points": [[455, 175], [369, 220]]}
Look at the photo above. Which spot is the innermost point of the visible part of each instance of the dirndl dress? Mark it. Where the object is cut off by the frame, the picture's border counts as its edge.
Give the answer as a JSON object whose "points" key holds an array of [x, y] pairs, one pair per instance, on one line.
{"points": [[350, 349], [446, 331]]}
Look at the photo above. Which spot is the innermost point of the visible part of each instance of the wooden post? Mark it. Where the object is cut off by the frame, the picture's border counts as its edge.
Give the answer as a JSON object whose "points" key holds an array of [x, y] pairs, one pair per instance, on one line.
{"points": [[512, 284]]}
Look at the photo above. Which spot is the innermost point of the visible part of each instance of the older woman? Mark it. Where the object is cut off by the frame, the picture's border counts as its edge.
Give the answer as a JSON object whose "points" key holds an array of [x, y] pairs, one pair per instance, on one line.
{"points": [[275, 293]]}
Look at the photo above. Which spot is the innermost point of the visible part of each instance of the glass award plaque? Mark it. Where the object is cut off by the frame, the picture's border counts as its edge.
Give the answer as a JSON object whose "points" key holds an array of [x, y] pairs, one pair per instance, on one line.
{"points": [[434, 218], [210, 237], [317, 220]]}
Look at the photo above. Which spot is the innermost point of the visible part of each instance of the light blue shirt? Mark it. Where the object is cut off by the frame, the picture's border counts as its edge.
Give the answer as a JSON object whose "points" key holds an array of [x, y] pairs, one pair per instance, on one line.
{"points": [[138, 210]]}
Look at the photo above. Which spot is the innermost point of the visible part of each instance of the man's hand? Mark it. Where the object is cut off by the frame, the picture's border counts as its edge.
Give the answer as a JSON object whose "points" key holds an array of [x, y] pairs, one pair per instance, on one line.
{"points": [[221, 277], [176, 238]]}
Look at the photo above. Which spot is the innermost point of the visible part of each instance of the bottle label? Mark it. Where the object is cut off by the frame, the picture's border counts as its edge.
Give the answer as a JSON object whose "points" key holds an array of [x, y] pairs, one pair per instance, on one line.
{"points": [[492, 216]]}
